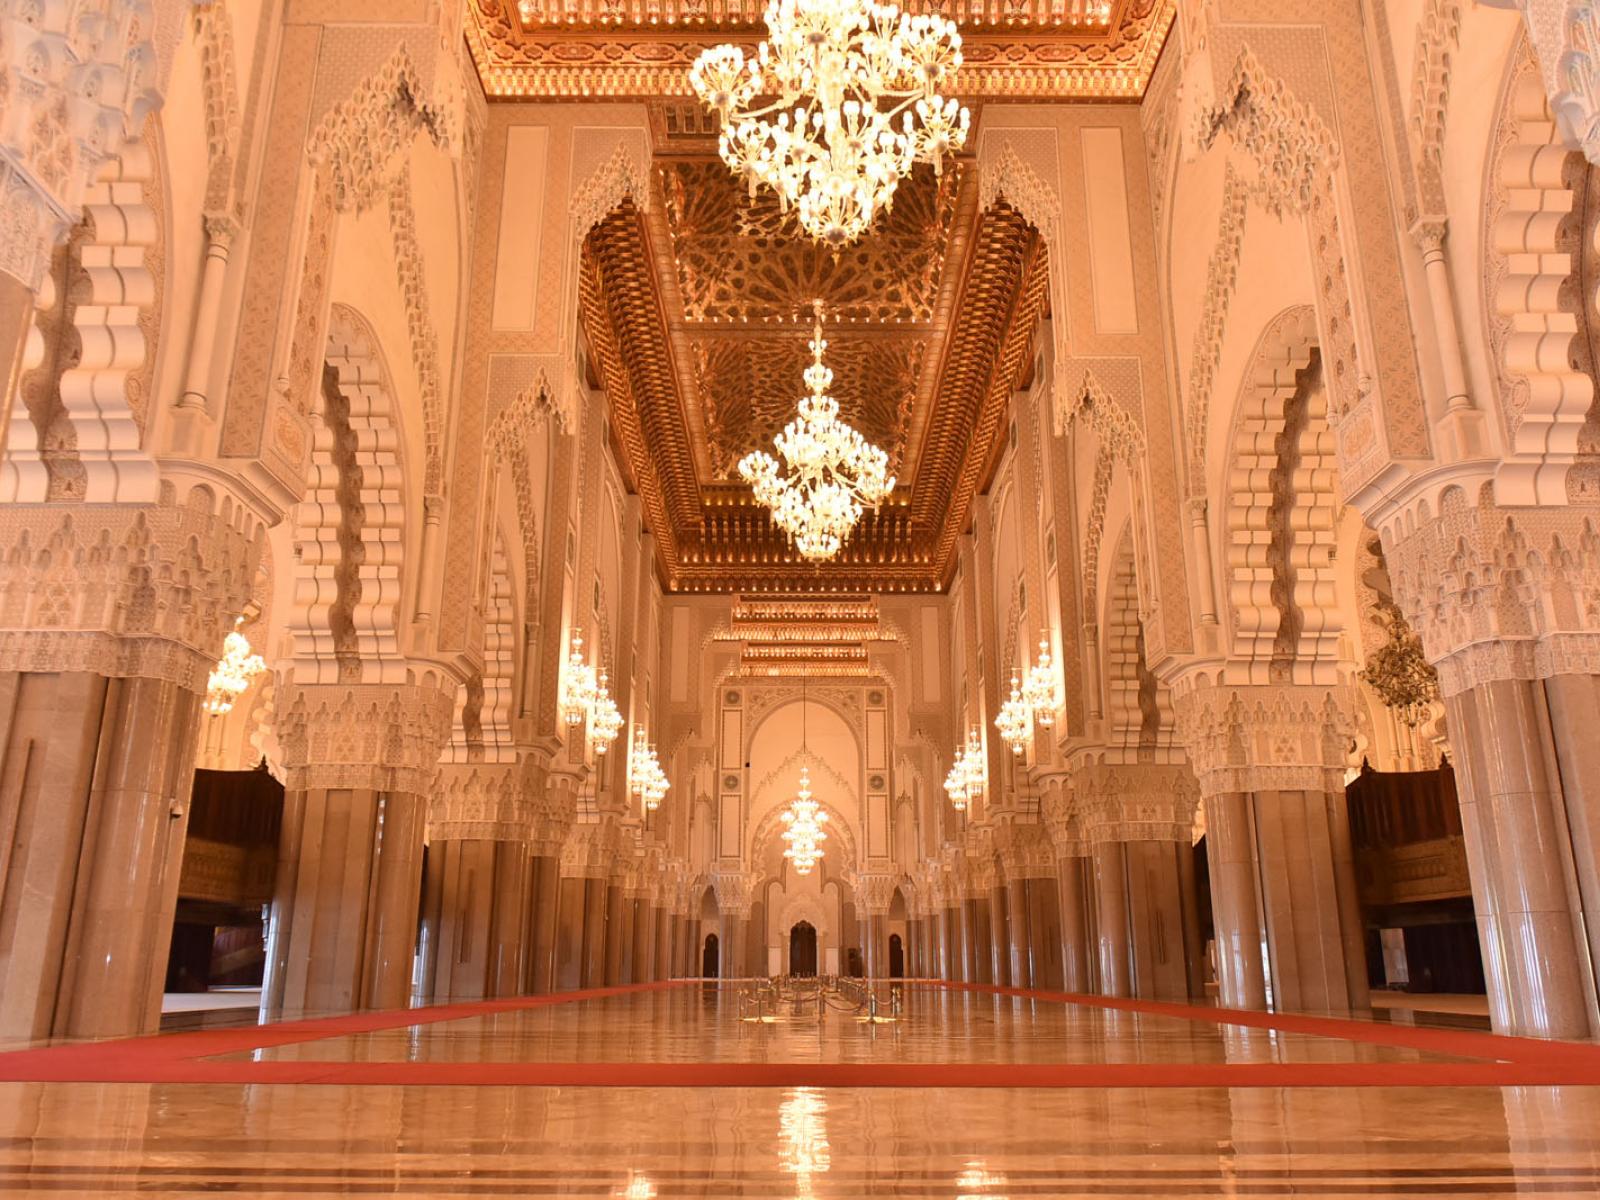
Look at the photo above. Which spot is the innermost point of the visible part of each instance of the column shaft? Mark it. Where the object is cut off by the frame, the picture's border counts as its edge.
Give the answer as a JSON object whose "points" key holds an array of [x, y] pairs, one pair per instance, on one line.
{"points": [[1044, 933], [1112, 936], [1019, 947], [1076, 954]]}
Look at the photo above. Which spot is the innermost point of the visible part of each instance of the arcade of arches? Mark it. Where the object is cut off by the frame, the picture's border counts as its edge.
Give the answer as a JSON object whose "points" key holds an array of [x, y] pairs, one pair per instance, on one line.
{"points": [[1242, 364]]}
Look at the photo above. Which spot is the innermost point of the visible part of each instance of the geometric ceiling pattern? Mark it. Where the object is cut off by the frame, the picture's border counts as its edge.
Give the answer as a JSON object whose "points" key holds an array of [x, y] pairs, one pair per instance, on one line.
{"points": [[697, 313], [642, 49]]}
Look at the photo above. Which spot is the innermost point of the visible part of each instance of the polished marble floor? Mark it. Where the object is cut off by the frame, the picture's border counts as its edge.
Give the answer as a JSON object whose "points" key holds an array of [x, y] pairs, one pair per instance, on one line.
{"points": [[212, 1113]]}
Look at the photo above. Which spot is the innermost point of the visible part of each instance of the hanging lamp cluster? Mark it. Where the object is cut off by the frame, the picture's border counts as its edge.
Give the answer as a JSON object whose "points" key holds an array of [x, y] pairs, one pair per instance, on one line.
{"points": [[231, 677], [586, 699], [831, 474], [839, 103], [646, 780], [1035, 697], [803, 833], [969, 773]]}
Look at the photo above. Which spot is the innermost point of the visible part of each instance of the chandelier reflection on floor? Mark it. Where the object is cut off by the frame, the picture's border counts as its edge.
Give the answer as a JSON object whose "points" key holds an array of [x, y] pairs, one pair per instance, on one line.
{"points": [[834, 473], [814, 114]]}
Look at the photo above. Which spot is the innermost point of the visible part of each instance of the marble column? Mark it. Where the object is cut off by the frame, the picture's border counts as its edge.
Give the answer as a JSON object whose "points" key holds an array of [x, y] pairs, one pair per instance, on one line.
{"points": [[1527, 771], [641, 964], [1044, 933], [569, 956], [731, 944], [999, 936], [619, 933], [755, 950], [483, 893], [1113, 941], [1074, 876], [1156, 919], [543, 905], [360, 760], [94, 790], [665, 923], [1271, 762], [596, 892], [982, 940], [1020, 946]]}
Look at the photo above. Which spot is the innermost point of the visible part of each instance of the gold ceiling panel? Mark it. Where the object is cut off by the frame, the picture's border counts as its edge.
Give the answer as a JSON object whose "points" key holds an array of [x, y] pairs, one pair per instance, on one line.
{"points": [[680, 430], [642, 49], [741, 259], [749, 387]]}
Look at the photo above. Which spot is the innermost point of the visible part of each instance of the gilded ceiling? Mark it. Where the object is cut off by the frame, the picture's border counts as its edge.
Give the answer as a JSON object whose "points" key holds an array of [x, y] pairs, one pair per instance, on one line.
{"points": [[746, 277], [641, 49], [697, 318]]}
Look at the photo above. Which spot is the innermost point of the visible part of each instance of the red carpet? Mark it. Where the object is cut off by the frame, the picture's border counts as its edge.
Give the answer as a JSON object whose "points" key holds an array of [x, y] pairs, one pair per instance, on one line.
{"points": [[192, 1057]]}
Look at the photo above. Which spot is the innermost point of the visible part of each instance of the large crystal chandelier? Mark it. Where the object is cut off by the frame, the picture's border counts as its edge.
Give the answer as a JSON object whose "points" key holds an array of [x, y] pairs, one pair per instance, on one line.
{"points": [[646, 780], [834, 473], [803, 835], [1034, 697], [605, 720], [231, 677], [1041, 687], [579, 685], [1015, 720], [969, 774], [839, 102]]}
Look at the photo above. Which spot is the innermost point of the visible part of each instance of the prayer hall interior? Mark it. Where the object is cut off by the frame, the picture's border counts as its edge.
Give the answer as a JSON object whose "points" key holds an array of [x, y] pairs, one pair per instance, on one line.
{"points": [[817, 598]]}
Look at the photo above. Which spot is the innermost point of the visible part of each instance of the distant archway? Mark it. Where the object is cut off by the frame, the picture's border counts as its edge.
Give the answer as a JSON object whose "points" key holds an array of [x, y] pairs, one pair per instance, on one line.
{"points": [[897, 957], [709, 957], [803, 949]]}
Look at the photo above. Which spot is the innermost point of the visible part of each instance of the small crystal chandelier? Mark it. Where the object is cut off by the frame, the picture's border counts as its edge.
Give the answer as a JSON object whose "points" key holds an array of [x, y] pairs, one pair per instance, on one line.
{"points": [[836, 76], [969, 774], [1041, 687], [605, 721], [1015, 721], [804, 836], [646, 780], [834, 472], [231, 677], [578, 685]]}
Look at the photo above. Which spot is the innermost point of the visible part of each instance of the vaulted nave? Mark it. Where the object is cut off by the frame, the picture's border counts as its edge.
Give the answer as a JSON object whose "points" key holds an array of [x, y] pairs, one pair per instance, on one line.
{"points": [[683, 598]]}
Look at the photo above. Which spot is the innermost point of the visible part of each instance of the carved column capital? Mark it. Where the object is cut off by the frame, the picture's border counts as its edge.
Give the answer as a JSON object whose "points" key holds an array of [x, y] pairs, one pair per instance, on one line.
{"points": [[383, 736], [1134, 802], [735, 892], [136, 590], [1266, 737], [874, 891], [1498, 593]]}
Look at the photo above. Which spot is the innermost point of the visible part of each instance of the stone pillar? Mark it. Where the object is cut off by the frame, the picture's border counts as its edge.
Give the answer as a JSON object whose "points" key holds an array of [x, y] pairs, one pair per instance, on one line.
{"points": [[483, 892], [596, 892], [1139, 818], [359, 761], [543, 908], [999, 936], [1113, 942], [619, 933], [114, 615], [982, 940], [94, 791], [1044, 933], [735, 895], [1074, 875], [570, 910], [665, 923], [1271, 762], [1019, 950], [874, 891], [641, 965], [483, 881]]}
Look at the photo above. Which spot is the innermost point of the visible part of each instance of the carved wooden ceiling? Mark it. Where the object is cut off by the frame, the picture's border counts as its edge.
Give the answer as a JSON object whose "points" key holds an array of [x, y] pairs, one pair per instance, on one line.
{"points": [[697, 314], [641, 49]]}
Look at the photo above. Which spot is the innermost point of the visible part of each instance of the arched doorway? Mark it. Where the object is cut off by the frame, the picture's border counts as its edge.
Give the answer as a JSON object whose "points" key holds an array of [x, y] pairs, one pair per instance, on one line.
{"points": [[708, 958], [897, 957], [802, 949]]}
